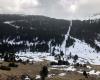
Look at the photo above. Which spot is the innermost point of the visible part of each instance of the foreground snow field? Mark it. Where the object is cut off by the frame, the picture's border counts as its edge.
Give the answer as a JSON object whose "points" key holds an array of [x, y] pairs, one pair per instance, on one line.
{"points": [[84, 52]]}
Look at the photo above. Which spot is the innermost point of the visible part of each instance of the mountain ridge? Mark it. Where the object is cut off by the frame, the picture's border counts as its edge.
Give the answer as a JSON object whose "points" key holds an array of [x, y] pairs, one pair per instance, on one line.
{"points": [[32, 30]]}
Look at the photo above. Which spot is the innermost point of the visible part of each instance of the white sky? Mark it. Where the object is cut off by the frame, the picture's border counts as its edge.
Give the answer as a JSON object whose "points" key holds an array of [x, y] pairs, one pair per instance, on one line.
{"points": [[52, 8]]}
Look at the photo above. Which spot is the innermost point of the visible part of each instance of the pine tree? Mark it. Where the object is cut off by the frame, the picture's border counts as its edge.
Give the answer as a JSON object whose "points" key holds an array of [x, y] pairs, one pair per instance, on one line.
{"points": [[61, 53], [75, 58], [85, 74], [70, 55], [53, 52], [44, 72]]}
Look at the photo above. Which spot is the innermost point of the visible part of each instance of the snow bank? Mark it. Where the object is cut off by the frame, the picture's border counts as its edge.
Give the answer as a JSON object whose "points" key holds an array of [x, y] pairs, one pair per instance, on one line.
{"points": [[38, 77], [62, 74], [93, 72], [36, 56]]}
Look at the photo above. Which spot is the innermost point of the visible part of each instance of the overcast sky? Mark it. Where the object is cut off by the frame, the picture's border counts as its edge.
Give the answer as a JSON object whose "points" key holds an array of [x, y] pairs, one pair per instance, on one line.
{"points": [[53, 8]]}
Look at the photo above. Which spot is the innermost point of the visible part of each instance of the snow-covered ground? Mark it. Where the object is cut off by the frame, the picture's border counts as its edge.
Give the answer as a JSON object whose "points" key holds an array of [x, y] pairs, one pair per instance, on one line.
{"points": [[36, 56], [66, 38], [62, 74], [97, 43], [92, 72], [10, 23], [94, 17], [85, 52]]}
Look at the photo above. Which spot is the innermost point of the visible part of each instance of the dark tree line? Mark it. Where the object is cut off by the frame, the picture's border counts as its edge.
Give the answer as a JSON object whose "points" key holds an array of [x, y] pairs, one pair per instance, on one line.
{"points": [[69, 42], [31, 27]]}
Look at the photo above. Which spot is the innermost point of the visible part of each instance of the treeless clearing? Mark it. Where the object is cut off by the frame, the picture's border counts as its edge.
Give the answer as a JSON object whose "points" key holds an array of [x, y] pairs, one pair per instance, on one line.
{"points": [[34, 69]]}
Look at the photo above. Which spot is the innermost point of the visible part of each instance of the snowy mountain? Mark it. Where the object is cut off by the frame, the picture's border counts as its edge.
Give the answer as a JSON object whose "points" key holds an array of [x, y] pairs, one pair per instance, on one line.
{"points": [[93, 17], [25, 35]]}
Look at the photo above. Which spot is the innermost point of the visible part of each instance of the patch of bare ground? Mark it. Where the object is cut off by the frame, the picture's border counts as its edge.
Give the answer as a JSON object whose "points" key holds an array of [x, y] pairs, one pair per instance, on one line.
{"points": [[34, 69], [29, 69], [96, 67]]}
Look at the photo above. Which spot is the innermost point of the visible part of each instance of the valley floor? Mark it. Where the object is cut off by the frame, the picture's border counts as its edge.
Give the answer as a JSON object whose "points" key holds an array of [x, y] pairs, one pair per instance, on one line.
{"points": [[55, 72]]}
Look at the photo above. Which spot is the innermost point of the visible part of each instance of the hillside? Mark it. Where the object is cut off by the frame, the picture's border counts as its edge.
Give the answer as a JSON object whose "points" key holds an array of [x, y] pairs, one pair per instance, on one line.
{"points": [[27, 33], [67, 48]]}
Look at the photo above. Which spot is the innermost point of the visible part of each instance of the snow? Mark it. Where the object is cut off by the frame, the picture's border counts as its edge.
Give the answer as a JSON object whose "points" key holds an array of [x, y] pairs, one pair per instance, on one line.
{"points": [[62, 74], [94, 17], [71, 68], [80, 48], [84, 52], [1, 60], [27, 78], [80, 72], [38, 77], [50, 58], [51, 75], [58, 66], [52, 68], [89, 67], [93, 72], [10, 23], [64, 67], [36, 56], [97, 43], [66, 37]]}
